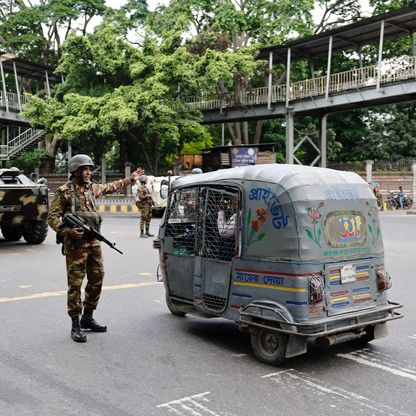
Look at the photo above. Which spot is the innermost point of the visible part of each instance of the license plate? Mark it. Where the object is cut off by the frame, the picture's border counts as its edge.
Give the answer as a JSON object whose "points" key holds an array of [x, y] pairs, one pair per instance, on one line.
{"points": [[348, 273]]}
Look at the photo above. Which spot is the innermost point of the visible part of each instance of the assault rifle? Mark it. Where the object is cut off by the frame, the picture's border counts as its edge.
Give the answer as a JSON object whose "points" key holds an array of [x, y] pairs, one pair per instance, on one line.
{"points": [[73, 221]]}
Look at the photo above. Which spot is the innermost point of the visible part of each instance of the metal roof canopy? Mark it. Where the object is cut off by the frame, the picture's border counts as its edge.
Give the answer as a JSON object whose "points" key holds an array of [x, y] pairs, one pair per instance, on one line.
{"points": [[27, 69], [397, 23]]}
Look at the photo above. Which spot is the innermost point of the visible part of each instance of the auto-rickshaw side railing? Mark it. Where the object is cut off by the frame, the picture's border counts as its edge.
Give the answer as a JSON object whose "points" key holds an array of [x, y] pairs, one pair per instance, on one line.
{"points": [[246, 319]]}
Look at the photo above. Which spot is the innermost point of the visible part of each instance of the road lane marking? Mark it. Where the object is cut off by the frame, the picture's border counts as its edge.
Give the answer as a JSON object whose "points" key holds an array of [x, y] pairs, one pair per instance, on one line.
{"points": [[317, 393], [42, 295], [191, 405], [361, 358]]}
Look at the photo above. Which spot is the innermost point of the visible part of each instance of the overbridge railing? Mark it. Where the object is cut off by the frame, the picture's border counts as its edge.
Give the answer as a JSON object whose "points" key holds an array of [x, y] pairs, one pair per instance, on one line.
{"points": [[392, 70], [19, 143], [12, 101]]}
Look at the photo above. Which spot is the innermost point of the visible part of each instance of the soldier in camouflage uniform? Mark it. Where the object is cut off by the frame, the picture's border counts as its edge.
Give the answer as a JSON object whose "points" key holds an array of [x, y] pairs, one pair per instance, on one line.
{"points": [[144, 203], [83, 256]]}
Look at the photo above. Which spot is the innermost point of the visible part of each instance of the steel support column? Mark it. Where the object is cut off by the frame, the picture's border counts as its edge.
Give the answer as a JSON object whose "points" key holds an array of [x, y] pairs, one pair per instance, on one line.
{"points": [[19, 100], [328, 68], [380, 55], [288, 77], [3, 81], [323, 139], [269, 91], [290, 136], [69, 155], [48, 88]]}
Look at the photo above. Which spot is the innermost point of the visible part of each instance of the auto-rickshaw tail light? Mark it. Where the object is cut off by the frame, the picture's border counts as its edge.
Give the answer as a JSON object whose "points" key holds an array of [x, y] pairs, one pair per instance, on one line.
{"points": [[316, 290], [383, 279]]}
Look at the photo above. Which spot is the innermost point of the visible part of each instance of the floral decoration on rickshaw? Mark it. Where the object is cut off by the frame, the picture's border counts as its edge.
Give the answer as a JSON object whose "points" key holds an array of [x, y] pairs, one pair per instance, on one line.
{"points": [[316, 232], [255, 224], [374, 229]]}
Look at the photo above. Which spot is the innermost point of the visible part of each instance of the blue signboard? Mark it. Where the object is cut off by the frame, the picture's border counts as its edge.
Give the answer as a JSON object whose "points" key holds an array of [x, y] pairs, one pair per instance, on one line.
{"points": [[243, 156]]}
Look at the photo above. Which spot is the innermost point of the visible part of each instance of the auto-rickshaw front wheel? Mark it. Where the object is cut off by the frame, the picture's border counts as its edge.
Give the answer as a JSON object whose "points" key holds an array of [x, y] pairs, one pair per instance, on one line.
{"points": [[269, 346], [174, 310]]}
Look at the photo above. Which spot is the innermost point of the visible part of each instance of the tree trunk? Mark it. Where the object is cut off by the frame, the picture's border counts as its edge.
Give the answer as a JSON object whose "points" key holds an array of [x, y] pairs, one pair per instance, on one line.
{"points": [[245, 132], [238, 132], [51, 147], [156, 156], [142, 143], [259, 127]]}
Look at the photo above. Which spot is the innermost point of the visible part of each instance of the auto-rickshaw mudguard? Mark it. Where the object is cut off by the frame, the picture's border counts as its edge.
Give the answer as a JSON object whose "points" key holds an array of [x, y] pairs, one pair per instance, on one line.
{"points": [[269, 314]]}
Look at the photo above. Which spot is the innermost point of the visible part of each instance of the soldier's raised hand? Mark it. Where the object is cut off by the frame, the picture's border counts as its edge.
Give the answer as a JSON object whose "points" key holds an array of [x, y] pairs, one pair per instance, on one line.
{"points": [[136, 174]]}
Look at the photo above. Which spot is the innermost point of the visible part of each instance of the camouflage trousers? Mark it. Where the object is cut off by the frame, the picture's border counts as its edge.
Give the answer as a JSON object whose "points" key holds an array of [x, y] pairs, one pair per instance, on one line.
{"points": [[80, 262], [145, 217]]}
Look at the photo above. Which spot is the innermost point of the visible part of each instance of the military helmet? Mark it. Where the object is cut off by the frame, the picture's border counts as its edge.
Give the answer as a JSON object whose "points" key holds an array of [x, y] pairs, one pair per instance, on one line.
{"points": [[143, 179], [79, 161]]}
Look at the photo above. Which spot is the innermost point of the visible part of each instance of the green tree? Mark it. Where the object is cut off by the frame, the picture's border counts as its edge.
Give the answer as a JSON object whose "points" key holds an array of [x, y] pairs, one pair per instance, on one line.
{"points": [[391, 133], [226, 37], [117, 92], [36, 31]]}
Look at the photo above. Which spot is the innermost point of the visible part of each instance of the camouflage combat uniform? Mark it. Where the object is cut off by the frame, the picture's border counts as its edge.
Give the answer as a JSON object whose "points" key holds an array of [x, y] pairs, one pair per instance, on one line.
{"points": [[144, 204], [82, 256]]}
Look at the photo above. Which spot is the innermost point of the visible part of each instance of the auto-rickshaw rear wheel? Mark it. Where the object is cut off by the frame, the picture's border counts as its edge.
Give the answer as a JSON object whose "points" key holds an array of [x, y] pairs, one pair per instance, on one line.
{"points": [[174, 310], [269, 346]]}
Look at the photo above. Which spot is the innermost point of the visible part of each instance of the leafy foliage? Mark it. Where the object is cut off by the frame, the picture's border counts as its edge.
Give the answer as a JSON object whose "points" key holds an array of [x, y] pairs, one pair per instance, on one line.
{"points": [[28, 161], [123, 80]]}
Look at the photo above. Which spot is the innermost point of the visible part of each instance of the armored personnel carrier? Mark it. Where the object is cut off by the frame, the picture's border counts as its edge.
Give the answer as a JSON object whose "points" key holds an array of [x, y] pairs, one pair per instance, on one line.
{"points": [[23, 207]]}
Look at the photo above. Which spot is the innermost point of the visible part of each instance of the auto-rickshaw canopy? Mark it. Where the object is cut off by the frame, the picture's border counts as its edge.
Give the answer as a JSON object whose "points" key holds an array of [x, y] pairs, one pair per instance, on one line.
{"points": [[301, 213]]}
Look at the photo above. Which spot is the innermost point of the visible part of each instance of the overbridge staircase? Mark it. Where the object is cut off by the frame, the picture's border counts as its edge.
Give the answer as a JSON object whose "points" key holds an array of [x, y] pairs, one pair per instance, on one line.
{"points": [[24, 141]]}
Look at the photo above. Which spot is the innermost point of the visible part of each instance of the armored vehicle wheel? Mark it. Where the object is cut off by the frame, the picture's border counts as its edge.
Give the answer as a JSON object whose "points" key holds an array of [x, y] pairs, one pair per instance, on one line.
{"points": [[174, 310], [34, 232], [269, 346], [11, 233]]}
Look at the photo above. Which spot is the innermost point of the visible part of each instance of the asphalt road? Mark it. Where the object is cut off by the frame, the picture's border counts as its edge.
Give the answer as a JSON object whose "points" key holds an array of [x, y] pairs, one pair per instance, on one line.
{"points": [[152, 363]]}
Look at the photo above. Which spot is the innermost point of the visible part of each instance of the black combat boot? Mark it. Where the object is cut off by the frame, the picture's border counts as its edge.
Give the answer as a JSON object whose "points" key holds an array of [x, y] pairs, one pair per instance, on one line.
{"points": [[76, 332], [148, 233], [88, 322], [142, 234]]}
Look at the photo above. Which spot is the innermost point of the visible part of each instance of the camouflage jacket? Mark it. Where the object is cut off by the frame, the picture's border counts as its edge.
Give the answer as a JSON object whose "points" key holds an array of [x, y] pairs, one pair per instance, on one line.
{"points": [[62, 201], [144, 197]]}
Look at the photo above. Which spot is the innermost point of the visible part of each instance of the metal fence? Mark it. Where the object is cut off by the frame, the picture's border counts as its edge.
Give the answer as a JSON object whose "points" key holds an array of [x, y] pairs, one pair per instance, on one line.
{"points": [[381, 166], [392, 70]]}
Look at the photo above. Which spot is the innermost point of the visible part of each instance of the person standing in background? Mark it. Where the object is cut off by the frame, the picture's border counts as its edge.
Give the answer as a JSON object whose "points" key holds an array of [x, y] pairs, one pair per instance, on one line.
{"points": [[145, 204]]}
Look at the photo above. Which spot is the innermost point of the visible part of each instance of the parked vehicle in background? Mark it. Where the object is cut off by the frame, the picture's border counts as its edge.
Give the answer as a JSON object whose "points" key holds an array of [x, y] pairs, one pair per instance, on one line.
{"points": [[23, 207], [158, 188], [393, 201]]}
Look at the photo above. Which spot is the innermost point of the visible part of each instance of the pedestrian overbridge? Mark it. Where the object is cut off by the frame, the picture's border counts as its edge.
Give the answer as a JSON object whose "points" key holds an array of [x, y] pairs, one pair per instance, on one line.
{"points": [[19, 76], [387, 81], [347, 90]]}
